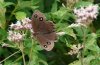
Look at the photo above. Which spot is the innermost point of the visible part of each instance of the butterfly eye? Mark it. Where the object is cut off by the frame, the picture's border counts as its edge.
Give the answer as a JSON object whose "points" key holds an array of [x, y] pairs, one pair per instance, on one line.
{"points": [[48, 43], [35, 16], [40, 18], [45, 46]]}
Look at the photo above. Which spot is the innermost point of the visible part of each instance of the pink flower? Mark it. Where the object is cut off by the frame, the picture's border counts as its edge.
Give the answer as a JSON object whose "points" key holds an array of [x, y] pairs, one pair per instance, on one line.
{"points": [[27, 26], [16, 26], [20, 25], [27, 23], [14, 36], [84, 15]]}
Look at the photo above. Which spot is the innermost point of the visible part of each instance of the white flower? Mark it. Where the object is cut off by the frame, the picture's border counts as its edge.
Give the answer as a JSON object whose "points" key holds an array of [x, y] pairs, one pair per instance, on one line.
{"points": [[5, 45], [78, 20], [75, 25], [12, 25], [26, 20], [75, 11], [18, 23], [75, 49], [61, 33], [31, 30]]}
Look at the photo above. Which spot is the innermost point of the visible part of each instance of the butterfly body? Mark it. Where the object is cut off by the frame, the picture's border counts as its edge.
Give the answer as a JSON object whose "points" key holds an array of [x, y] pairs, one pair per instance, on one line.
{"points": [[43, 30]]}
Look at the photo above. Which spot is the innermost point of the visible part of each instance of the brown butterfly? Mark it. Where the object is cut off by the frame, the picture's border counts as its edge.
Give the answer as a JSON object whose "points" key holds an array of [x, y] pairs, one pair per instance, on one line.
{"points": [[44, 31]]}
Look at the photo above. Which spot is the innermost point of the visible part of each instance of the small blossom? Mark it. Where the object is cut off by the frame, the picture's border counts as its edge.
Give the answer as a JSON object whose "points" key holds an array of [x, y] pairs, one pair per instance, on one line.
{"points": [[31, 30], [16, 26], [27, 23], [75, 25], [26, 20], [14, 36], [61, 33], [75, 49], [5, 45], [27, 26]]}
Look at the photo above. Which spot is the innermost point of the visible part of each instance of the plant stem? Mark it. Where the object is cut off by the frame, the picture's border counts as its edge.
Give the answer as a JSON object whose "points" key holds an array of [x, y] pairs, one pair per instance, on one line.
{"points": [[13, 12], [18, 59], [23, 58], [30, 56], [9, 56], [82, 51], [8, 22], [20, 46], [81, 58]]}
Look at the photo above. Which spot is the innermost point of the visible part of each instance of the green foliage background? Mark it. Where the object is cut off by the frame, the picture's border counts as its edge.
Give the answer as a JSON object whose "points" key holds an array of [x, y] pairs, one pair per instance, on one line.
{"points": [[61, 13]]}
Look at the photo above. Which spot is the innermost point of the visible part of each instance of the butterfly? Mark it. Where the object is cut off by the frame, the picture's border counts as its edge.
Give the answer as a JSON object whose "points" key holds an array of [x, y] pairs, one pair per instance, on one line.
{"points": [[44, 31]]}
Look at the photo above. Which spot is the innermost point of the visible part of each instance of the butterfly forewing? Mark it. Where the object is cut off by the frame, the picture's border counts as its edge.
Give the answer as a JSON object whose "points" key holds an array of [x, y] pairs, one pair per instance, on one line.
{"points": [[38, 22], [50, 26]]}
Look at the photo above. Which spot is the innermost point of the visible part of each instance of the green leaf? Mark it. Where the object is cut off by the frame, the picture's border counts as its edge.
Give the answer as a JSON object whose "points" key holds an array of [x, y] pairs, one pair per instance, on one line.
{"points": [[27, 4], [38, 47], [80, 31], [54, 7], [90, 43], [98, 33], [62, 14], [24, 4], [2, 51], [70, 32], [82, 4], [95, 61], [8, 3], [34, 58], [2, 1], [35, 2], [43, 62], [2, 15], [34, 7], [20, 15], [86, 61], [3, 34], [28, 43], [10, 62]]}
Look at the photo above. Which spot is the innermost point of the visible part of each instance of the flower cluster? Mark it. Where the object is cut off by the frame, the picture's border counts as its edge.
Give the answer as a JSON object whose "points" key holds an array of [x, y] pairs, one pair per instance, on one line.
{"points": [[85, 14], [15, 37], [15, 34], [23, 24], [75, 49]]}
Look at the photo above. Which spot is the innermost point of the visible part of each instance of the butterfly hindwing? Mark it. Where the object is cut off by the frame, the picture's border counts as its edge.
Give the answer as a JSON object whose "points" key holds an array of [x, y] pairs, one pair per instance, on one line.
{"points": [[45, 43]]}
